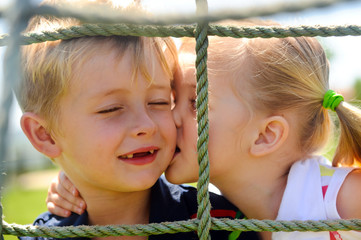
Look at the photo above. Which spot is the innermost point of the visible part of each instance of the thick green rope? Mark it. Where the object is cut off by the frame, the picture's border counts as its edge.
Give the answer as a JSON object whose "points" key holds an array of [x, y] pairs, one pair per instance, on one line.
{"points": [[181, 226], [204, 206], [186, 31]]}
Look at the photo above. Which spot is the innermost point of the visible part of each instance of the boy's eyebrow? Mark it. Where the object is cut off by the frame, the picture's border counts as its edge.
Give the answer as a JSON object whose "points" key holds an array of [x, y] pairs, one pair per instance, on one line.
{"points": [[162, 86], [110, 92], [98, 94]]}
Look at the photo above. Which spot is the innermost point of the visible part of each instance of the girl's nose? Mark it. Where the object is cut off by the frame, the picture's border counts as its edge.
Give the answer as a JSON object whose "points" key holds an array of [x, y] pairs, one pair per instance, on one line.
{"points": [[177, 117]]}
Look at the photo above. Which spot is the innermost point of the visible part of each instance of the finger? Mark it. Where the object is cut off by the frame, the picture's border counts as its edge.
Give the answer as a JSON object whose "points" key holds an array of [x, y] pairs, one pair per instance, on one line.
{"points": [[58, 205], [76, 200], [56, 210], [65, 182], [67, 190]]}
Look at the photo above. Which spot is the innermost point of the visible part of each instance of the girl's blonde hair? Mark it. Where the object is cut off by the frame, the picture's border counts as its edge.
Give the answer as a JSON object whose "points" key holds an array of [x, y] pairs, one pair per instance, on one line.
{"points": [[49, 66], [293, 73]]}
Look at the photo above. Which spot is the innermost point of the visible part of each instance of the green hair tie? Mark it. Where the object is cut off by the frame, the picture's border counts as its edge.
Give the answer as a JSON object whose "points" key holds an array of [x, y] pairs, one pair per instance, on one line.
{"points": [[331, 100]]}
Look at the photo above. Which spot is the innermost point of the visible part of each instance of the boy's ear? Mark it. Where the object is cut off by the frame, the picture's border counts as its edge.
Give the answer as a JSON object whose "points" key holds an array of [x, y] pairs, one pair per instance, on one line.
{"points": [[272, 134], [34, 128]]}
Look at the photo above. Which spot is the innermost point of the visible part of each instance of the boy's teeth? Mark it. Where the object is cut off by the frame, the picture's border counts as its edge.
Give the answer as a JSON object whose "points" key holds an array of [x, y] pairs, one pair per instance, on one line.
{"points": [[132, 155]]}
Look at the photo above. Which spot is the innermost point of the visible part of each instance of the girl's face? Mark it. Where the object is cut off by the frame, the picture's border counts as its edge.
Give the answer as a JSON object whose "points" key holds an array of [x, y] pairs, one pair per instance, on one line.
{"points": [[184, 167], [228, 122]]}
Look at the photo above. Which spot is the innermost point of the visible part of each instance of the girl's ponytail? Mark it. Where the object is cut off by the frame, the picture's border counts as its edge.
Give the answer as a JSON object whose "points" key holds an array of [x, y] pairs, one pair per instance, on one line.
{"points": [[348, 152]]}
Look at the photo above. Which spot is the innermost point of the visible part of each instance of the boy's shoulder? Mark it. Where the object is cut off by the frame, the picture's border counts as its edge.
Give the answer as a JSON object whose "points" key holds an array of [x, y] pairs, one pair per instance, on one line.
{"points": [[183, 200], [48, 219], [171, 202]]}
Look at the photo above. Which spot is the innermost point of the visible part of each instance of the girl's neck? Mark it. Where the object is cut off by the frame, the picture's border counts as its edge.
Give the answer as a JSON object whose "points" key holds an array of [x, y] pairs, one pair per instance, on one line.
{"points": [[256, 190]]}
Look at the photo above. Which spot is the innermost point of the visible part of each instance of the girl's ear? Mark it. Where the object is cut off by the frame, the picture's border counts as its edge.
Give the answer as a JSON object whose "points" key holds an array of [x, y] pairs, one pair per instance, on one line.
{"points": [[272, 134], [34, 128]]}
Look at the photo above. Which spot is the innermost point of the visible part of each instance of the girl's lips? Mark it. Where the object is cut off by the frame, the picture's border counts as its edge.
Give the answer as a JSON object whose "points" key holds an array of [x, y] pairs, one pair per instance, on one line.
{"points": [[140, 158]]}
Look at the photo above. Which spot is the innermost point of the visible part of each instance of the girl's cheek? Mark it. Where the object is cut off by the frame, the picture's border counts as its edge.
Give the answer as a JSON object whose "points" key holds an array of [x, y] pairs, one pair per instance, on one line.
{"points": [[194, 134]]}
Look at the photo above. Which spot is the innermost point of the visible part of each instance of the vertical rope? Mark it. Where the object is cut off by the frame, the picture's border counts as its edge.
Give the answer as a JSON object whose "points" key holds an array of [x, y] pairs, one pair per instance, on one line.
{"points": [[204, 205], [17, 19]]}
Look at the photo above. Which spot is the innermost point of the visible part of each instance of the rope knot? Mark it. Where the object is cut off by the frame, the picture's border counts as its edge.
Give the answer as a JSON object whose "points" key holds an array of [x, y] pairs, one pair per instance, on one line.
{"points": [[331, 100]]}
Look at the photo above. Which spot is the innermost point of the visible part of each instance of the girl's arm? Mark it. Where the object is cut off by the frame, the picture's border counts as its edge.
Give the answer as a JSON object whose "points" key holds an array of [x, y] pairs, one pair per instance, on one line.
{"points": [[63, 198], [349, 197]]}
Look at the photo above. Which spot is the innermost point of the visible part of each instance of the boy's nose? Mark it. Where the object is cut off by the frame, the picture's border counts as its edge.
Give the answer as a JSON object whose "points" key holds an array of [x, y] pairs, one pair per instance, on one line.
{"points": [[144, 125]]}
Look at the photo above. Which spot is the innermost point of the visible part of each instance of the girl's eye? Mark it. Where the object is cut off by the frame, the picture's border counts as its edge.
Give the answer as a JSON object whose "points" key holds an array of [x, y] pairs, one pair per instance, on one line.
{"points": [[109, 110], [173, 99]]}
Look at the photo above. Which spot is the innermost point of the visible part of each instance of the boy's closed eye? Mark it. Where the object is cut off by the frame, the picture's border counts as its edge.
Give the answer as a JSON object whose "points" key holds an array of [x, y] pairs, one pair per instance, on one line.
{"points": [[109, 110], [160, 103]]}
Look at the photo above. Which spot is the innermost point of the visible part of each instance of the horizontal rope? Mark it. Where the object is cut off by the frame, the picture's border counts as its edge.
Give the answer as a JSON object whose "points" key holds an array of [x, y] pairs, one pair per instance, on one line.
{"points": [[186, 31], [181, 226]]}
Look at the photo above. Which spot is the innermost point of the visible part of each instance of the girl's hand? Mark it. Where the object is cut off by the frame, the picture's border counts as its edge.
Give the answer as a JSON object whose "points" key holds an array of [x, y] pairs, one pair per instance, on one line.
{"points": [[63, 198]]}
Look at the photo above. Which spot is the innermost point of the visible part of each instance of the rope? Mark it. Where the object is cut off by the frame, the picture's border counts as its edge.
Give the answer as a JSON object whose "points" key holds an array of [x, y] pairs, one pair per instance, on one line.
{"points": [[185, 31], [102, 231], [204, 206], [181, 226]]}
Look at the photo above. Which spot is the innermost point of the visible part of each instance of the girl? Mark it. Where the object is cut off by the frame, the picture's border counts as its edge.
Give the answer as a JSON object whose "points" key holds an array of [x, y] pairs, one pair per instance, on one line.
{"points": [[268, 114], [269, 106]]}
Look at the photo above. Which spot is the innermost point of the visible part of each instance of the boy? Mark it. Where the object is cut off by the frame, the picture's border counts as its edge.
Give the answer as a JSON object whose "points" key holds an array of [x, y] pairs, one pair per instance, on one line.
{"points": [[100, 108]]}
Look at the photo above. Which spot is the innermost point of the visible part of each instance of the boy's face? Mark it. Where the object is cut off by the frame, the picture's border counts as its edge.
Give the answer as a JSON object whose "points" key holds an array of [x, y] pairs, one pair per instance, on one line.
{"points": [[116, 133], [228, 123]]}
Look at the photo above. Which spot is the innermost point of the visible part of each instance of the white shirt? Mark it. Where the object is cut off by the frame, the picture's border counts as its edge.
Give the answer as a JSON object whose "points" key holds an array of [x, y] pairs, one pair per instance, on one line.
{"points": [[311, 194]]}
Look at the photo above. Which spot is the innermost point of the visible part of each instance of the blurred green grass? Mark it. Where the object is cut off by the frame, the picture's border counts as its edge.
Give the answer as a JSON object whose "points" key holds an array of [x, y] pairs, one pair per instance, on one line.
{"points": [[22, 206]]}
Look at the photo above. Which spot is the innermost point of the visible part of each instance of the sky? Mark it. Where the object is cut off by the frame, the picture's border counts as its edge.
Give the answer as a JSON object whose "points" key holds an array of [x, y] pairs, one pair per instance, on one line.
{"points": [[345, 64]]}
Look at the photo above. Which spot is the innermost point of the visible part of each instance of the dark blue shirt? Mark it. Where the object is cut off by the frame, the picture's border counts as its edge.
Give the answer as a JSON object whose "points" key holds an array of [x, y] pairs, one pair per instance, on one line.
{"points": [[169, 203]]}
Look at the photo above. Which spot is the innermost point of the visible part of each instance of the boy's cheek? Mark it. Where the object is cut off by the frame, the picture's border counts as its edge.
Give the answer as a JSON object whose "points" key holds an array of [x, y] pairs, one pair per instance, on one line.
{"points": [[167, 126]]}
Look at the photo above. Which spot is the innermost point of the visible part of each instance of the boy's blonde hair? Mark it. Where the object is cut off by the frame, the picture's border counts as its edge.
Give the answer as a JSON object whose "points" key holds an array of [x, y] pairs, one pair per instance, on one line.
{"points": [[292, 73], [49, 66]]}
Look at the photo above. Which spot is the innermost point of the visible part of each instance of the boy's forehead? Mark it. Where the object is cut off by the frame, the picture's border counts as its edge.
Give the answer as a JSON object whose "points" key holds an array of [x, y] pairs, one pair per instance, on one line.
{"points": [[104, 64]]}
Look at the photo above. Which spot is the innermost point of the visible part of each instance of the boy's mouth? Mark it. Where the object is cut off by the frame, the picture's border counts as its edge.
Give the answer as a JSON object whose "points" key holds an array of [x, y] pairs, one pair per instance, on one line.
{"points": [[141, 157], [137, 155]]}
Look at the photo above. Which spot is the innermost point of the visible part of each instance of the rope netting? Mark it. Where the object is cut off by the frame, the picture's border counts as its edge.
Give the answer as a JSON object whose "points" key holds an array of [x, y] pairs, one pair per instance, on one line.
{"points": [[100, 24]]}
